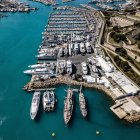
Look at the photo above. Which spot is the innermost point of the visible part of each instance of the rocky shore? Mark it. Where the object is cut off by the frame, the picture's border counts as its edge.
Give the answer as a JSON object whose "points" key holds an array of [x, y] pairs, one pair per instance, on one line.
{"points": [[132, 118], [33, 85]]}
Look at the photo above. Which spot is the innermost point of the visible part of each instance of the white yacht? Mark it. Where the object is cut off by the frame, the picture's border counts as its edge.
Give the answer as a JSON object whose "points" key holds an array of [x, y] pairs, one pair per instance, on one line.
{"points": [[69, 67], [39, 71], [82, 48], [48, 100], [84, 68], [35, 104]]}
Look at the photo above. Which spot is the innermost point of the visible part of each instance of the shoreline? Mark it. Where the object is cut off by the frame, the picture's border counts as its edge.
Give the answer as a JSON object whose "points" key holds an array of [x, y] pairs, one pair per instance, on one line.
{"points": [[35, 85]]}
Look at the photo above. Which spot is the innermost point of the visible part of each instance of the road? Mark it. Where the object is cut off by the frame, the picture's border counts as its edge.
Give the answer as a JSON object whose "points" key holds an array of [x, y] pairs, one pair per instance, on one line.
{"points": [[134, 68]]}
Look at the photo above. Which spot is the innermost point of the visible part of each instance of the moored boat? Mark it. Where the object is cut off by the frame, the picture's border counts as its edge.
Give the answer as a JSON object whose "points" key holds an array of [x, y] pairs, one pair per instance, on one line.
{"points": [[68, 106], [48, 100], [35, 104], [69, 67], [39, 71], [61, 66], [82, 104]]}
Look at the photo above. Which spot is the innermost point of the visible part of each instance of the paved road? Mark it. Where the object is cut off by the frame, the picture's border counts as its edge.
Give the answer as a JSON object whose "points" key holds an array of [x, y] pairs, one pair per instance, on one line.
{"points": [[134, 68]]}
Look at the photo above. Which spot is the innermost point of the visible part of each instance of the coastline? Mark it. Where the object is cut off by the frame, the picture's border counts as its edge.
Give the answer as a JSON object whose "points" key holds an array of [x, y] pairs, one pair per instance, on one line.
{"points": [[37, 85]]}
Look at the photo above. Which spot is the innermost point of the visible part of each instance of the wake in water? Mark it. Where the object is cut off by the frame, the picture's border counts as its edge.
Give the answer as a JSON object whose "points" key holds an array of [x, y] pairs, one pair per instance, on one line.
{"points": [[2, 120], [2, 94]]}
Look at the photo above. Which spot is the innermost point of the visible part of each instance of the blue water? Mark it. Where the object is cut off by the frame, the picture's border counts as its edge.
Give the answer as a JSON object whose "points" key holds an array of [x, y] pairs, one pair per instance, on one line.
{"points": [[20, 36]]}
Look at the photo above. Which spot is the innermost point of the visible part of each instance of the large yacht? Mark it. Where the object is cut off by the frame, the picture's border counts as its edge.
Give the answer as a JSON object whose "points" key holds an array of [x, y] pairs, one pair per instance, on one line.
{"points": [[35, 104], [68, 106], [82, 104], [69, 67], [39, 71], [48, 100]]}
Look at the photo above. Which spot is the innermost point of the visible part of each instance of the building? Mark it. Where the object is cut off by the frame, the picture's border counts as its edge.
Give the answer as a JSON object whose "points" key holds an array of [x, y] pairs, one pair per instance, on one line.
{"points": [[122, 21], [124, 83], [104, 65]]}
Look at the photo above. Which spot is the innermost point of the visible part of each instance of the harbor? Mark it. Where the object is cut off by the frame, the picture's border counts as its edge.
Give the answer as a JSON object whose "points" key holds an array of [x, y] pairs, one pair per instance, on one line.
{"points": [[72, 41], [46, 2], [24, 33], [15, 6]]}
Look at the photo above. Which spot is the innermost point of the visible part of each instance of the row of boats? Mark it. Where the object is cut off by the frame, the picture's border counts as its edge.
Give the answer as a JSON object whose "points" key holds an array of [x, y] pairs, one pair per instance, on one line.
{"points": [[42, 68], [49, 100], [68, 105], [64, 66]]}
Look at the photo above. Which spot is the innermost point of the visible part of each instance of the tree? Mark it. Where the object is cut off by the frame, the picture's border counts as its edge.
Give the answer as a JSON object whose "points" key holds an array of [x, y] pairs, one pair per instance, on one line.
{"points": [[125, 66], [116, 28]]}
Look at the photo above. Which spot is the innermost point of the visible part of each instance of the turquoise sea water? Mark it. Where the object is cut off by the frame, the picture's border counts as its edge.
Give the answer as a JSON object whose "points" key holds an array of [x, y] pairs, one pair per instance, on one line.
{"points": [[20, 36]]}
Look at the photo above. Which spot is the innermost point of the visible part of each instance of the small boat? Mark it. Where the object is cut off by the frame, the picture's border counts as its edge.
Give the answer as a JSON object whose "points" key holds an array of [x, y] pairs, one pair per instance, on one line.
{"points": [[49, 65], [35, 104], [68, 106], [82, 104], [48, 100]]}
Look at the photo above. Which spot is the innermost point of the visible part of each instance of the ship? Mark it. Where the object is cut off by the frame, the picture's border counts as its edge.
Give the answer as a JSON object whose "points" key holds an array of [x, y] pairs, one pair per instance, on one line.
{"points": [[68, 106], [35, 104], [37, 65], [50, 65], [39, 71], [82, 104], [48, 100]]}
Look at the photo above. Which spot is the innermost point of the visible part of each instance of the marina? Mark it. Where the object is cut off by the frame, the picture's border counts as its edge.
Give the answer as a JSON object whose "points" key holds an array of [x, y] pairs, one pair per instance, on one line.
{"points": [[47, 2], [35, 104], [15, 6], [23, 32], [73, 43]]}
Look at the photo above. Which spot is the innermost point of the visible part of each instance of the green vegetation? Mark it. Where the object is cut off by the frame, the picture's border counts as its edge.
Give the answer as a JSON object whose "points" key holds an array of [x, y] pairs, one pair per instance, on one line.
{"points": [[122, 52], [118, 37], [124, 66]]}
